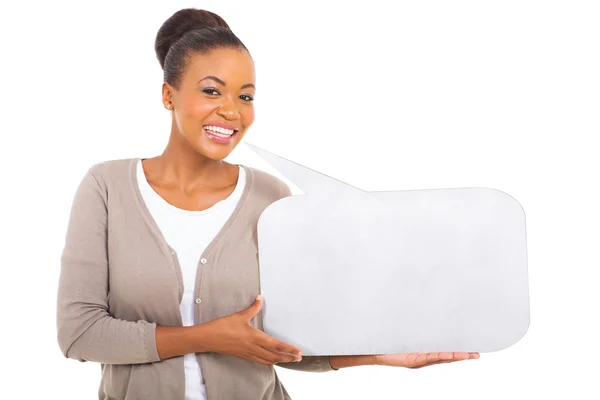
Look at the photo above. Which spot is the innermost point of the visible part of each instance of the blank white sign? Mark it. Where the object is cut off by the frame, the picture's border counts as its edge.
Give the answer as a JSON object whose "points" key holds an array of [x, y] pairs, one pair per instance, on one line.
{"points": [[345, 271]]}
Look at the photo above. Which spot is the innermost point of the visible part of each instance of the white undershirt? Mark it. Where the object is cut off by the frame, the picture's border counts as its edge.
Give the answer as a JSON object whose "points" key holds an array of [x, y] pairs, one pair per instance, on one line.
{"points": [[189, 233]]}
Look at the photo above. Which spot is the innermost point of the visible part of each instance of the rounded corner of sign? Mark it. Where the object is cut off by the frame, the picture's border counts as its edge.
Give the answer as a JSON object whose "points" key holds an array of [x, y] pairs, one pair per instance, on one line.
{"points": [[517, 338], [261, 218], [270, 207], [509, 196], [282, 200]]}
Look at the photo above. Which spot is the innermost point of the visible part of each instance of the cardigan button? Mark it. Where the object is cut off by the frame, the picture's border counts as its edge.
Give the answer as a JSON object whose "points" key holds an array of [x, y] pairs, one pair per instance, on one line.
{"points": [[203, 260], [198, 300]]}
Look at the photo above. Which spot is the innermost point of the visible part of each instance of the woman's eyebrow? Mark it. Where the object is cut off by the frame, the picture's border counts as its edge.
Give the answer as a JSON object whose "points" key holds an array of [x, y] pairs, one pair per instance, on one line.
{"points": [[214, 78], [220, 81]]}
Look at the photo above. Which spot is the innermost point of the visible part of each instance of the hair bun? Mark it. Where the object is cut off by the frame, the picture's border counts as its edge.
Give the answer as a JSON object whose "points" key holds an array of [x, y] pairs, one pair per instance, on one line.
{"points": [[180, 23]]}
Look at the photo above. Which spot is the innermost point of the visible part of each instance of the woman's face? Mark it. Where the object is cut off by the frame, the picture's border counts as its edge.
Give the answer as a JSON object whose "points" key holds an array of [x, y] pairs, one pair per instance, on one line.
{"points": [[215, 98]]}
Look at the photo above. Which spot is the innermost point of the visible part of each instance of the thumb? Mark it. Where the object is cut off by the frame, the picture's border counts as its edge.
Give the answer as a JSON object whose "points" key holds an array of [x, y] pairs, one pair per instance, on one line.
{"points": [[255, 308]]}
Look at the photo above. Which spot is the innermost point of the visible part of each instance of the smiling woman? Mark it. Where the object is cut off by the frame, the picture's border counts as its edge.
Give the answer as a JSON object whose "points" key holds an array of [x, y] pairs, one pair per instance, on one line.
{"points": [[209, 81], [159, 276]]}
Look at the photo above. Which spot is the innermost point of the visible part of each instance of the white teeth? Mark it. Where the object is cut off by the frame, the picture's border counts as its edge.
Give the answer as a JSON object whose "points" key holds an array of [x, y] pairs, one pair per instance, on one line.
{"points": [[217, 129]]}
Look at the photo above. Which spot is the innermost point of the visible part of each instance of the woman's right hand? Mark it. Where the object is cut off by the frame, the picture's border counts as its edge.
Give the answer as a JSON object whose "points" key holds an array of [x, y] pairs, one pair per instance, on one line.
{"points": [[234, 335]]}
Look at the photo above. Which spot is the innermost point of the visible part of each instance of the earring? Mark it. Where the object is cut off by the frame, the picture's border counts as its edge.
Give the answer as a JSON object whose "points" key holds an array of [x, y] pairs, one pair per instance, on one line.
{"points": [[169, 106]]}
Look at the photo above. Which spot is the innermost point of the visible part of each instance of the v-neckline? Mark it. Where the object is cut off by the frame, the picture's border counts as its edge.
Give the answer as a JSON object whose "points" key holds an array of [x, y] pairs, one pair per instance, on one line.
{"points": [[145, 211], [147, 190]]}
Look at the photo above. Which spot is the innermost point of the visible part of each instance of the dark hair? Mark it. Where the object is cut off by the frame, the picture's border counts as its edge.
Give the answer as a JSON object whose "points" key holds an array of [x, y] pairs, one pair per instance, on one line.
{"points": [[190, 31]]}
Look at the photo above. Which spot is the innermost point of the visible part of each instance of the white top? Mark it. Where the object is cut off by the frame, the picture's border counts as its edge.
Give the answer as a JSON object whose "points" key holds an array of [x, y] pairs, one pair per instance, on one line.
{"points": [[189, 233]]}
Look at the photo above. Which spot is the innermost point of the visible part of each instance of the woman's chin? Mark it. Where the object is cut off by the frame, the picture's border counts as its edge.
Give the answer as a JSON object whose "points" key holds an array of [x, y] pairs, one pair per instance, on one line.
{"points": [[215, 152]]}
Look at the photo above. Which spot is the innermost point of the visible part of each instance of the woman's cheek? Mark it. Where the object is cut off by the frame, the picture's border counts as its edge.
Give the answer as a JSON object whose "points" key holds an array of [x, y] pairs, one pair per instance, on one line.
{"points": [[247, 116], [202, 109]]}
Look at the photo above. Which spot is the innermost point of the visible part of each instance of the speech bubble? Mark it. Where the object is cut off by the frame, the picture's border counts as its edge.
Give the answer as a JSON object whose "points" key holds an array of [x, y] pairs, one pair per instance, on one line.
{"points": [[345, 271]]}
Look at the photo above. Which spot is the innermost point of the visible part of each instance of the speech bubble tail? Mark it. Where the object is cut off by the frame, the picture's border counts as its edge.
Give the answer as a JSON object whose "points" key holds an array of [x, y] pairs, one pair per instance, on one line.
{"points": [[309, 181]]}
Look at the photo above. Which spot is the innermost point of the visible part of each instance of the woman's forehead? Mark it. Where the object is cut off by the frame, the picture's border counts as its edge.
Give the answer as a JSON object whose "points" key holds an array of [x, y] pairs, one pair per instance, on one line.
{"points": [[231, 66]]}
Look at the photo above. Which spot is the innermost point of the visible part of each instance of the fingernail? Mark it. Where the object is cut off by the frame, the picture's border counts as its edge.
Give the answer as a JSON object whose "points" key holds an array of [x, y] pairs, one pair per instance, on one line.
{"points": [[300, 359], [259, 297]]}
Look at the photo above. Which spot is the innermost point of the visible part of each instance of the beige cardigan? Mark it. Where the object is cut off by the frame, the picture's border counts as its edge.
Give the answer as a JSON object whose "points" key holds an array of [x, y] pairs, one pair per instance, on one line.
{"points": [[119, 279]]}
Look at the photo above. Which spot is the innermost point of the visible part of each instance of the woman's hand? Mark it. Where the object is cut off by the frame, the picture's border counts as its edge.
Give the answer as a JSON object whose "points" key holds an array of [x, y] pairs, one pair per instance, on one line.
{"points": [[419, 360], [234, 335]]}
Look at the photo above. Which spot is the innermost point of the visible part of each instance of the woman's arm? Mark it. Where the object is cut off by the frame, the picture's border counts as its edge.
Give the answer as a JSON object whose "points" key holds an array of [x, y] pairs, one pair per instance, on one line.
{"points": [[328, 363], [87, 332], [406, 360], [174, 341], [338, 362], [309, 364], [85, 329]]}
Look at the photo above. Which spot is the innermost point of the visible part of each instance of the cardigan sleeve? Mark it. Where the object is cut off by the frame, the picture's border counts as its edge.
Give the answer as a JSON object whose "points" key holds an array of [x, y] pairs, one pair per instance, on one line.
{"points": [[85, 329], [309, 364]]}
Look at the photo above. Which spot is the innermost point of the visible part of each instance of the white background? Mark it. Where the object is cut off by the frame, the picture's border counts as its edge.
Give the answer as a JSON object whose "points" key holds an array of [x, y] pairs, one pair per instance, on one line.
{"points": [[384, 96]]}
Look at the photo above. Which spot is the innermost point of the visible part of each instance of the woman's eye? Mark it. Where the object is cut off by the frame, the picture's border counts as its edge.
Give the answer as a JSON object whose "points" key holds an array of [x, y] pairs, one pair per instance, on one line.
{"points": [[246, 97], [210, 91]]}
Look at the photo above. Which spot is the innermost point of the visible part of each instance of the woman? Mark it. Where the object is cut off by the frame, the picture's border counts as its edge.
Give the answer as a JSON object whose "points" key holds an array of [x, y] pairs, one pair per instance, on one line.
{"points": [[159, 273]]}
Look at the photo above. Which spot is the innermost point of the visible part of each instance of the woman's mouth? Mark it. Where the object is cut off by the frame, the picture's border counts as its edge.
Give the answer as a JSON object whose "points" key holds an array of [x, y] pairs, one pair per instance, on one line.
{"points": [[220, 133]]}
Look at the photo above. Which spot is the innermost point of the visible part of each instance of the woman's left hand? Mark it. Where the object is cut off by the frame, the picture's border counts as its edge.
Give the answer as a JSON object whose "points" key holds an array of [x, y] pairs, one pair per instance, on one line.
{"points": [[419, 360]]}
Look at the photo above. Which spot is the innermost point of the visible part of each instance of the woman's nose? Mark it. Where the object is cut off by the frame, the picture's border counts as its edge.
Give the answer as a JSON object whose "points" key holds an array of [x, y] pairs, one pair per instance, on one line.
{"points": [[228, 110]]}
